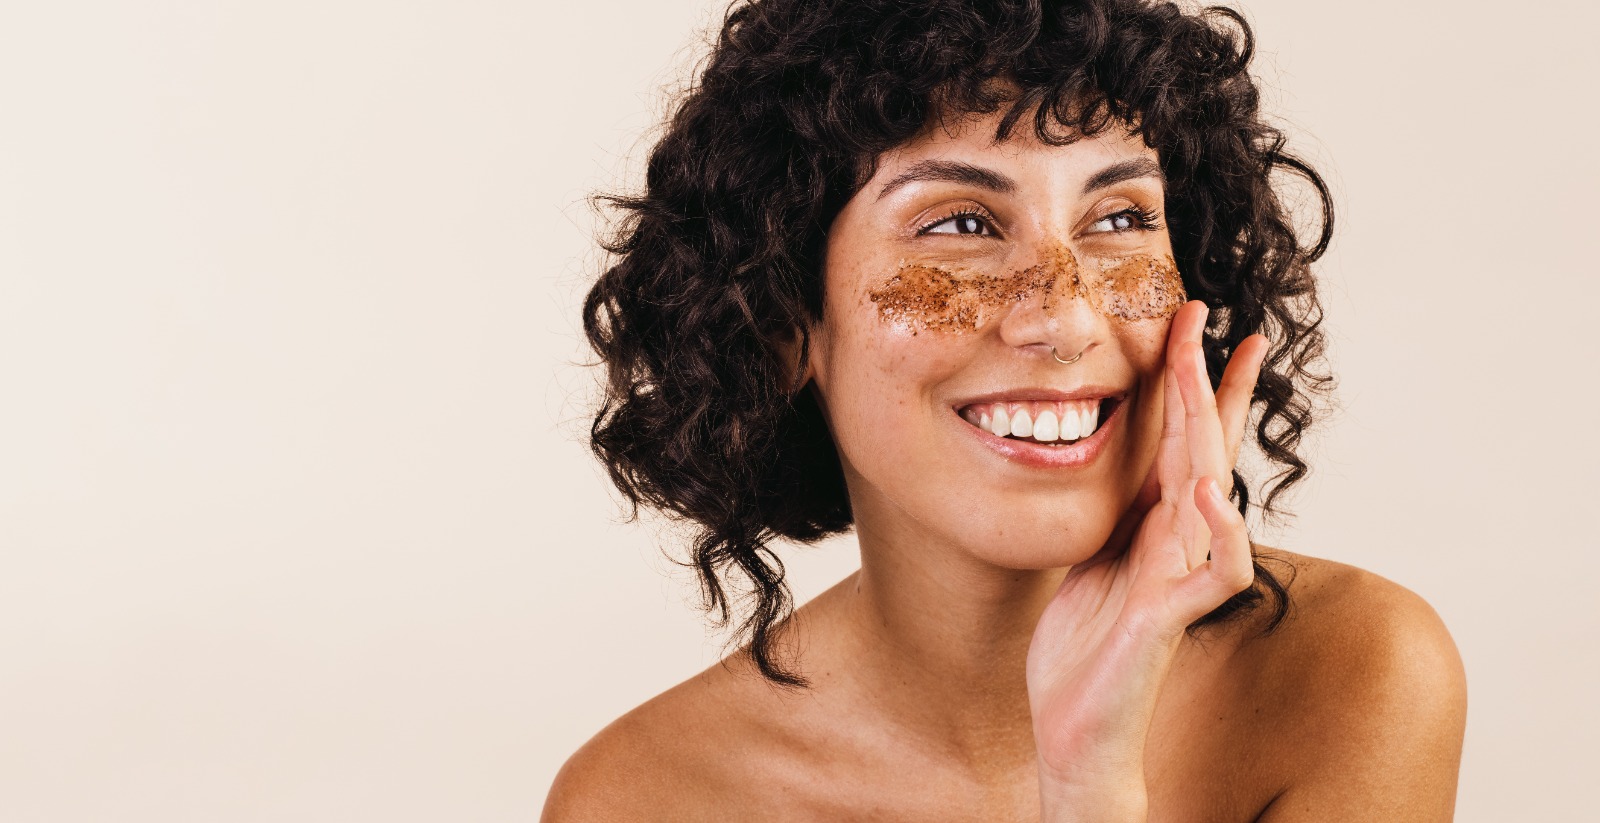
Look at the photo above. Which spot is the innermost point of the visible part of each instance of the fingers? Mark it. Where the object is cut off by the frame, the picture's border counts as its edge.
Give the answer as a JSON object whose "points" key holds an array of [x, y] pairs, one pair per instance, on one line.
{"points": [[1172, 458], [1205, 446], [1230, 570], [1230, 403], [1188, 324], [1236, 390], [1202, 430], [1201, 435], [1172, 462]]}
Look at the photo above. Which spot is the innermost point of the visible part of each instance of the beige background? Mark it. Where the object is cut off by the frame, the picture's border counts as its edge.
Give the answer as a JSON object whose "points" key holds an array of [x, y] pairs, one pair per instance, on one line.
{"points": [[295, 520]]}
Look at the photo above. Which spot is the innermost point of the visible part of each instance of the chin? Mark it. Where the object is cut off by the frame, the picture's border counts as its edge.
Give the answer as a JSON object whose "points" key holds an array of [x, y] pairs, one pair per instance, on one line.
{"points": [[971, 501], [1040, 543]]}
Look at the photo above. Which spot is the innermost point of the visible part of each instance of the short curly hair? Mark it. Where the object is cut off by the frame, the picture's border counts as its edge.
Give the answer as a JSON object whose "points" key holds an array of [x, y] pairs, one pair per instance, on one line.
{"points": [[716, 266]]}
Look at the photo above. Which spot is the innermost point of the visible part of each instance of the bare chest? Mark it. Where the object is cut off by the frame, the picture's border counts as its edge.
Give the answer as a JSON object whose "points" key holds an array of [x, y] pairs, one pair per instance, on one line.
{"points": [[1202, 766]]}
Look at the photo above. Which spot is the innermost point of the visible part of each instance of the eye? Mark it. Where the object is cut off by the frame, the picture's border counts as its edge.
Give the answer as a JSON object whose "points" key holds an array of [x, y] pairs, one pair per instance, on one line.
{"points": [[966, 221], [1132, 218]]}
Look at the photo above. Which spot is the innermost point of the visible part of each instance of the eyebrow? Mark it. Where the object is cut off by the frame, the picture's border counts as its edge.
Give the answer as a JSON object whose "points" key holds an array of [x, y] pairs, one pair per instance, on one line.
{"points": [[953, 171], [1126, 170]]}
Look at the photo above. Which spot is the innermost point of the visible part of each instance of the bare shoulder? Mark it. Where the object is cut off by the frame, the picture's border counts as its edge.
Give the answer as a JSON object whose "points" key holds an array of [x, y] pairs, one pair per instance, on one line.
{"points": [[1368, 692], [609, 775], [1350, 620], [665, 760]]}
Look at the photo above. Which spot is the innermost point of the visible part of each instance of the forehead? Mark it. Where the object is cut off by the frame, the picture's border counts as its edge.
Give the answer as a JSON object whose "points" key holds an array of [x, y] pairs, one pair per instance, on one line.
{"points": [[973, 136]]}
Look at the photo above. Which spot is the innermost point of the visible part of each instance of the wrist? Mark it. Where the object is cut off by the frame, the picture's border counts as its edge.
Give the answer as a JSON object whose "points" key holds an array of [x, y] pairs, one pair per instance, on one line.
{"points": [[1103, 792], [1123, 801]]}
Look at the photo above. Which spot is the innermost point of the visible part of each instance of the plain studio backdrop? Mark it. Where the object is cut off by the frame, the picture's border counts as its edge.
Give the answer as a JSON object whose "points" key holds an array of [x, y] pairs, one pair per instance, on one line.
{"points": [[296, 519]]}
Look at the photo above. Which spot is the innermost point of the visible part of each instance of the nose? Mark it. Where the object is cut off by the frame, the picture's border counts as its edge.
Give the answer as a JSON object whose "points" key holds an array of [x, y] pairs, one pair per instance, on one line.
{"points": [[1053, 313]]}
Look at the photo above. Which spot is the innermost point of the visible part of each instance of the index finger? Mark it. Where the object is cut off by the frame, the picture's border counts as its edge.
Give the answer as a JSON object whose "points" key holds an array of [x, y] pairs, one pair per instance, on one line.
{"points": [[1172, 461]]}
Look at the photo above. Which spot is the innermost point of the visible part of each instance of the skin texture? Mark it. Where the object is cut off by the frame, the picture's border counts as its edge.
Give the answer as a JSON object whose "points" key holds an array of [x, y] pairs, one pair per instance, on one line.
{"points": [[1012, 646]]}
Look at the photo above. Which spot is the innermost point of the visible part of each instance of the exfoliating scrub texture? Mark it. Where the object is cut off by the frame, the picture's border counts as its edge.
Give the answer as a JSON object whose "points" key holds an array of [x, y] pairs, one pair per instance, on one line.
{"points": [[1138, 287]]}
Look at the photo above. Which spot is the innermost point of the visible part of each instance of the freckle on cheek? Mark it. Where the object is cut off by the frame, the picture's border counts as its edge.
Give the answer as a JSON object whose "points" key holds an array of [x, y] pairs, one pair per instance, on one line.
{"points": [[933, 298]]}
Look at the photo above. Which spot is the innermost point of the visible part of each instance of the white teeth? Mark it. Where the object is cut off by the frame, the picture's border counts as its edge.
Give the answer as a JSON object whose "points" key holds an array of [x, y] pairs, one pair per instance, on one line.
{"points": [[1070, 425], [1022, 424], [1046, 428], [1040, 420], [1002, 422]]}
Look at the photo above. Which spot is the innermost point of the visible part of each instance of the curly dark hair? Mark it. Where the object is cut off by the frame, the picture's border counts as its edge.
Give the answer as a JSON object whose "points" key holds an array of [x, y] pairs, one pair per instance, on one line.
{"points": [[716, 267]]}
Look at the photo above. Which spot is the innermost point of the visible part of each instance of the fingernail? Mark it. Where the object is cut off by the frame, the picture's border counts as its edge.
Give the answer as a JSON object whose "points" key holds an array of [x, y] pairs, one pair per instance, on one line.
{"points": [[1216, 489]]}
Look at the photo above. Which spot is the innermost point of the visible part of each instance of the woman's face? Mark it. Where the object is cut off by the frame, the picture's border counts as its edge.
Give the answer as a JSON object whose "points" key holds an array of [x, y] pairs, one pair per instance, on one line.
{"points": [[956, 280]]}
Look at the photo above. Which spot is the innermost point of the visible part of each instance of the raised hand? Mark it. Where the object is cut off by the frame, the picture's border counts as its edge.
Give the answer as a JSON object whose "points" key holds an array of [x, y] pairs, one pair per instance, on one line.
{"points": [[1106, 641], [1232, 401]]}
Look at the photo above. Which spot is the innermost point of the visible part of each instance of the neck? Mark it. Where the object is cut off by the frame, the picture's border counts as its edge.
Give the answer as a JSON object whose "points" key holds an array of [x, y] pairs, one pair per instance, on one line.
{"points": [[938, 640]]}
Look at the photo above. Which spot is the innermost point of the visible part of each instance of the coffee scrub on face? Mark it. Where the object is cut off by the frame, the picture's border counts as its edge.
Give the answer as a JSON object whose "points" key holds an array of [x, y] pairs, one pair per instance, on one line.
{"points": [[1138, 287]]}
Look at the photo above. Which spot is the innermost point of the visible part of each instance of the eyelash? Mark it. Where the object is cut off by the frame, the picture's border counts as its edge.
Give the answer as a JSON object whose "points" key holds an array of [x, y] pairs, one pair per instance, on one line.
{"points": [[965, 212], [1147, 220]]}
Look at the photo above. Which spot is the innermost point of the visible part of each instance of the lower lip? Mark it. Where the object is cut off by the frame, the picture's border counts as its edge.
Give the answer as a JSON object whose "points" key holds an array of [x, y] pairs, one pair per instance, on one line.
{"points": [[1040, 456]]}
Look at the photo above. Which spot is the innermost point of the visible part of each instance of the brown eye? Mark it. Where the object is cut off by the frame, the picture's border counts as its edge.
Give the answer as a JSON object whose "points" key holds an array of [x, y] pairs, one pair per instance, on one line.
{"points": [[1121, 221], [962, 223], [1130, 219]]}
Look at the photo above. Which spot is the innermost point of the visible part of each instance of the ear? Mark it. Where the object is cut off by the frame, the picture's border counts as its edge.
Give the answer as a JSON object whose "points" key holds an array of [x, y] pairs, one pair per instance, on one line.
{"points": [[791, 349]]}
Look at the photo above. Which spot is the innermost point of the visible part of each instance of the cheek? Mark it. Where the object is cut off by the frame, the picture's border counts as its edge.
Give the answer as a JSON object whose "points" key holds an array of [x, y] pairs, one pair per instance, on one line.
{"points": [[879, 366], [929, 299], [1137, 288], [1144, 344], [878, 385]]}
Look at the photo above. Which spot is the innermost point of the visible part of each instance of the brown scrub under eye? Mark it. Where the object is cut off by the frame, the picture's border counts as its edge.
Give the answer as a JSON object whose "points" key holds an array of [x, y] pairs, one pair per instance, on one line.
{"points": [[1139, 287]]}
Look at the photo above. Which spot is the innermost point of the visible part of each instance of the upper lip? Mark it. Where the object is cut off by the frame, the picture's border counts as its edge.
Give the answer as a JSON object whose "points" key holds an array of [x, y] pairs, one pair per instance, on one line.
{"points": [[1041, 394]]}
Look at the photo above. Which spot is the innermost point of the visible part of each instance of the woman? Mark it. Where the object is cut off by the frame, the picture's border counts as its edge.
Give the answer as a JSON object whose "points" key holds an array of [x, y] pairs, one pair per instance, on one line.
{"points": [[999, 286]]}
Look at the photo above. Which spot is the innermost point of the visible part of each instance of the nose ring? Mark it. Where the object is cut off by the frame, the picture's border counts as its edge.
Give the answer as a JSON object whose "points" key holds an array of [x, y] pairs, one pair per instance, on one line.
{"points": [[1058, 357]]}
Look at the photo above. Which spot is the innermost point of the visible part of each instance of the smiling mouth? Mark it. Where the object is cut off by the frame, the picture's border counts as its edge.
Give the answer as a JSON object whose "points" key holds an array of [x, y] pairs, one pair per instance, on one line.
{"points": [[1047, 422]]}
